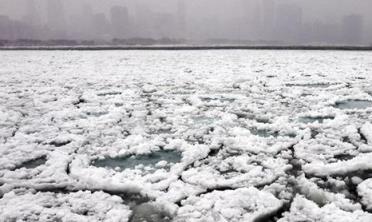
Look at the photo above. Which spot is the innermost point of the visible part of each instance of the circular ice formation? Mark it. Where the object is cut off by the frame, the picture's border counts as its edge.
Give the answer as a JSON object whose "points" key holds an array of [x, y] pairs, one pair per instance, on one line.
{"points": [[245, 204], [79, 206]]}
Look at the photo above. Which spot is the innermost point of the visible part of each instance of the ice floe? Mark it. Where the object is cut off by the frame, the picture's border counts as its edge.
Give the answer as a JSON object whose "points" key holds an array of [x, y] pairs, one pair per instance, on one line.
{"points": [[191, 136]]}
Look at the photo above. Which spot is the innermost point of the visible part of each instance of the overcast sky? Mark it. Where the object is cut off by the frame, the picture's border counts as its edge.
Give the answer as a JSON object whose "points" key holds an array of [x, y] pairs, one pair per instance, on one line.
{"points": [[206, 13], [320, 9]]}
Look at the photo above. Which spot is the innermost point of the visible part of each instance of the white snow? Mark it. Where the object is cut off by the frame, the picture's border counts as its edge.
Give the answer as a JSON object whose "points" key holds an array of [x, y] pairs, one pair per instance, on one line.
{"points": [[358, 163], [306, 210], [79, 206], [244, 204], [253, 130], [365, 191]]}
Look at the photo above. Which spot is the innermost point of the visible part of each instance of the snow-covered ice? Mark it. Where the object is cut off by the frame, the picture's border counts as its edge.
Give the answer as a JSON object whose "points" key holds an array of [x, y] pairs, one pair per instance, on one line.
{"points": [[185, 136]]}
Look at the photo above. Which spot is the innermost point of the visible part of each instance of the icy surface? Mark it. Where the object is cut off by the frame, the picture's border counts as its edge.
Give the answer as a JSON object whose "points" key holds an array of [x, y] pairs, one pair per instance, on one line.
{"points": [[185, 136], [244, 204], [80, 206]]}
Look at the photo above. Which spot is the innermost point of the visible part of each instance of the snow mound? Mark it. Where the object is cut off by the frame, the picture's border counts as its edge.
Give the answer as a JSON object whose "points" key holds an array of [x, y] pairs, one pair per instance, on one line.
{"points": [[306, 210], [79, 206], [365, 191], [245, 204]]}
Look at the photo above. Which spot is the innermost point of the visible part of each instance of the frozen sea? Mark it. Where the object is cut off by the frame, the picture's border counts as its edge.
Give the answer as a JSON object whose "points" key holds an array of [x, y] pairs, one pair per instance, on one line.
{"points": [[213, 135]]}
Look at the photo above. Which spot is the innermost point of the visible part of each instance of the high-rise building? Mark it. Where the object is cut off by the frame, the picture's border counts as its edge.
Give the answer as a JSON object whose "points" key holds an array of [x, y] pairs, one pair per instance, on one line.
{"points": [[86, 20], [163, 25], [322, 33], [56, 19], [32, 20], [181, 21], [352, 29], [32, 16], [101, 26], [252, 19], [144, 21], [120, 22], [5, 27], [268, 19], [288, 23]]}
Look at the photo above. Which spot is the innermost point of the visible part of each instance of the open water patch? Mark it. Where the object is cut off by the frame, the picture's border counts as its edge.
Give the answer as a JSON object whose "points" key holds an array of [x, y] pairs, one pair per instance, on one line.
{"points": [[31, 164], [144, 209], [149, 212], [109, 93], [353, 104], [203, 120], [266, 133], [156, 160], [97, 114], [315, 119], [221, 99], [310, 85]]}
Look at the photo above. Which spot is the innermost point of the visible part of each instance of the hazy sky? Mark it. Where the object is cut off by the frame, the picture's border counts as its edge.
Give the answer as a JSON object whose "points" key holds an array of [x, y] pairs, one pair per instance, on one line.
{"points": [[202, 13], [320, 9]]}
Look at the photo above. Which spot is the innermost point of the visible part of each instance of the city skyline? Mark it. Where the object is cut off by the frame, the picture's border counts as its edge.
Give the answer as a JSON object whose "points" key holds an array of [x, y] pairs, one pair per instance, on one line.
{"points": [[286, 22]]}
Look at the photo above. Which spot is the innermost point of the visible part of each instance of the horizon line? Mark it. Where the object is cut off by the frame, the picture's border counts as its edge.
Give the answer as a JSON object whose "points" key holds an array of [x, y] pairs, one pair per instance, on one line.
{"points": [[186, 47]]}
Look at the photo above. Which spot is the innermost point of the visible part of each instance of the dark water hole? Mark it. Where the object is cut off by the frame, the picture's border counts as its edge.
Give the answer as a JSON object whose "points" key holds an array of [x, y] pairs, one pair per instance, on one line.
{"points": [[319, 119], [150, 213], [264, 132], [31, 164], [130, 162], [353, 104], [310, 85]]}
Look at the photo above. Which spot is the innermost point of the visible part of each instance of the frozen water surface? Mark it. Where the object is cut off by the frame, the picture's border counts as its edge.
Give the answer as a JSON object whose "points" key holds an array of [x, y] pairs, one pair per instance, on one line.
{"points": [[228, 135]]}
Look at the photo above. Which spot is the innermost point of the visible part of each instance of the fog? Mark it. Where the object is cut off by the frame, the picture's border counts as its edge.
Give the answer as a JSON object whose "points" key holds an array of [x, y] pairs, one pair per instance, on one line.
{"points": [[281, 21]]}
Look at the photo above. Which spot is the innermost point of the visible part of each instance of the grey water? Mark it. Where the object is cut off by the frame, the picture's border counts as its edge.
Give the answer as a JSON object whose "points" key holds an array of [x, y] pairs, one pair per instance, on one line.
{"points": [[131, 162], [264, 132], [353, 104], [31, 164], [310, 85], [150, 213], [319, 119]]}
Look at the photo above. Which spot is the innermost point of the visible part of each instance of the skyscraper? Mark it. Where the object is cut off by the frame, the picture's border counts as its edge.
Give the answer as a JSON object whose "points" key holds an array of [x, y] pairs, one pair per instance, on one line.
{"points": [[86, 21], [56, 18], [288, 25], [163, 25], [101, 26], [120, 22], [181, 23], [253, 21], [352, 29], [268, 18], [32, 16], [5, 27], [144, 21]]}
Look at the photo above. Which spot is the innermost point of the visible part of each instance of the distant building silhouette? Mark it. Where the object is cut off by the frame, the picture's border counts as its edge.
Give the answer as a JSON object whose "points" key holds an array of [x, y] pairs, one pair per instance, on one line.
{"points": [[120, 22], [6, 28], [181, 20], [268, 19], [253, 18], [32, 16], [289, 23], [164, 25], [322, 33], [352, 29], [56, 19], [101, 26], [144, 21]]}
